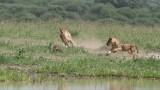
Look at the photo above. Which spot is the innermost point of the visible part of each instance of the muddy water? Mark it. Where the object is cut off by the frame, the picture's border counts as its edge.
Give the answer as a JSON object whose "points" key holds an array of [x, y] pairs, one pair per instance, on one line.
{"points": [[85, 84]]}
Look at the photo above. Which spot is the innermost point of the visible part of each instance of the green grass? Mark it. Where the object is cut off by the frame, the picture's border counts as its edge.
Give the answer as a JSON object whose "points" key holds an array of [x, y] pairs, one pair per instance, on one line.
{"points": [[143, 36], [91, 66], [12, 75], [35, 38], [84, 65]]}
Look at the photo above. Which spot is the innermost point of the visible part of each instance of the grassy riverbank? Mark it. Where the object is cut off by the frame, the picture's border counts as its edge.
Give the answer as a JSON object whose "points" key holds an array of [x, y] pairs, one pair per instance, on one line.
{"points": [[84, 65], [38, 62]]}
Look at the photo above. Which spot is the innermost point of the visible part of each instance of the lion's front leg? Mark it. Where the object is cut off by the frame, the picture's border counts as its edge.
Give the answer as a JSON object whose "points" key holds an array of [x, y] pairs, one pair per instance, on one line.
{"points": [[110, 51], [66, 44], [113, 50]]}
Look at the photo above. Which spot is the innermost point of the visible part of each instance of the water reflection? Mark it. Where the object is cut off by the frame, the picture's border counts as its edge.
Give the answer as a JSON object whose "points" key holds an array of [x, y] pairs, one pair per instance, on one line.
{"points": [[85, 84], [120, 86]]}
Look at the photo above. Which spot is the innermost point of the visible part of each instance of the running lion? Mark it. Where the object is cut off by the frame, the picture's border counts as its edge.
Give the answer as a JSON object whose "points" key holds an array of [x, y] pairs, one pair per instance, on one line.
{"points": [[117, 45], [66, 37]]}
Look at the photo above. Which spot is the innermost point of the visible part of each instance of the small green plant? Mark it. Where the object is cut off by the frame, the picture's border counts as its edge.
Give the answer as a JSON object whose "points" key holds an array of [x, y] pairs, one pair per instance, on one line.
{"points": [[21, 52]]}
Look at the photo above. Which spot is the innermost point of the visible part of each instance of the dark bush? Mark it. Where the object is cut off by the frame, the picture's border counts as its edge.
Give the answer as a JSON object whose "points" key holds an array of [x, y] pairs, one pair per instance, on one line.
{"points": [[129, 11], [108, 11], [96, 8], [73, 15], [38, 11], [91, 16], [72, 7], [15, 8], [55, 8], [144, 21], [121, 18], [7, 1], [49, 15], [25, 16]]}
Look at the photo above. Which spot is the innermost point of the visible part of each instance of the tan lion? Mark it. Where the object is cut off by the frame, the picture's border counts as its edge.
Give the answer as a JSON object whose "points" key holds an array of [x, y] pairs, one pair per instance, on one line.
{"points": [[117, 45], [66, 37]]}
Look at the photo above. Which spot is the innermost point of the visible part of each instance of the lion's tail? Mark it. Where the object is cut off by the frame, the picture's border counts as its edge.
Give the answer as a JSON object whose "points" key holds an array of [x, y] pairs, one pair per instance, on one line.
{"points": [[137, 49]]}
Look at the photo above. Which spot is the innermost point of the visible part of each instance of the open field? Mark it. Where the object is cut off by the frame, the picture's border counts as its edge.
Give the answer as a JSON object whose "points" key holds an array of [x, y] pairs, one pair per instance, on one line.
{"points": [[37, 61]]}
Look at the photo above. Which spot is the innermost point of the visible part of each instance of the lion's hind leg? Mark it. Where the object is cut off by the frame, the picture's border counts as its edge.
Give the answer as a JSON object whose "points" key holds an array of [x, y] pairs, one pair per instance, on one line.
{"points": [[133, 51], [66, 44]]}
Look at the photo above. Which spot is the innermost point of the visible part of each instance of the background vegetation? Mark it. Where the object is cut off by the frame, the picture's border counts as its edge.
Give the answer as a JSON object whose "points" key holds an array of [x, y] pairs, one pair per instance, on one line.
{"points": [[120, 11]]}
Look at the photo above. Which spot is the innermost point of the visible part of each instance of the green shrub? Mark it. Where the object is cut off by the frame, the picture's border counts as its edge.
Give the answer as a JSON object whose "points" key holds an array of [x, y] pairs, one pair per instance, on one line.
{"points": [[50, 15], [25, 16], [108, 11], [96, 9], [72, 7], [38, 11], [91, 16], [127, 12], [85, 10], [72, 15], [55, 8], [121, 18], [145, 21]]}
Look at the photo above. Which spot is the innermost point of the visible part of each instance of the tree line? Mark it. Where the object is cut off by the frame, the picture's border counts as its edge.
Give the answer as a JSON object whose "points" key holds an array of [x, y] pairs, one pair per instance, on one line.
{"points": [[120, 11]]}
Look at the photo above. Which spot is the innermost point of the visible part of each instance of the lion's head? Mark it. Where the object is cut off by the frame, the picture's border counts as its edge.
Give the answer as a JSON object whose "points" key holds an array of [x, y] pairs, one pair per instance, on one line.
{"points": [[62, 30], [109, 42]]}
